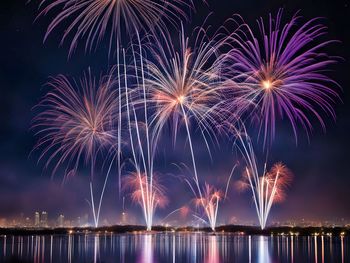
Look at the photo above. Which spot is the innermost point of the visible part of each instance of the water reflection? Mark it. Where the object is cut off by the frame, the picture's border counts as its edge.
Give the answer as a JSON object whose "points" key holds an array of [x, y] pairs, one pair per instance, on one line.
{"points": [[147, 249], [290, 248], [213, 251], [263, 253], [315, 249], [172, 248], [96, 248], [250, 249], [342, 249], [322, 250]]}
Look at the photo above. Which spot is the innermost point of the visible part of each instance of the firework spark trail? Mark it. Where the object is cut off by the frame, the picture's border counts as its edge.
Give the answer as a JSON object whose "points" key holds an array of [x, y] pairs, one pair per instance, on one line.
{"points": [[183, 85], [119, 121], [209, 202], [267, 188], [206, 201], [76, 123], [142, 193], [92, 19], [97, 216], [149, 193], [280, 72], [184, 81], [183, 211]]}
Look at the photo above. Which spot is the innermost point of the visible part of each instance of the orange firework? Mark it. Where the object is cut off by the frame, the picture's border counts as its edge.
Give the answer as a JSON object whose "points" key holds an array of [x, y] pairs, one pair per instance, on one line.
{"points": [[183, 83]]}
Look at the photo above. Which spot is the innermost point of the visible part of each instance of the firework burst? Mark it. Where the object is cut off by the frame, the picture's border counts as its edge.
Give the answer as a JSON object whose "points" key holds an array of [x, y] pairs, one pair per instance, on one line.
{"points": [[76, 123], [76, 120], [183, 86], [184, 83], [148, 196], [268, 187], [143, 146], [93, 19], [209, 203], [281, 72]]}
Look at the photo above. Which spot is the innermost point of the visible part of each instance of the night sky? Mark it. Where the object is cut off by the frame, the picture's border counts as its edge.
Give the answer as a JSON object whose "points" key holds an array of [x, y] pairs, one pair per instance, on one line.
{"points": [[320, 189]]}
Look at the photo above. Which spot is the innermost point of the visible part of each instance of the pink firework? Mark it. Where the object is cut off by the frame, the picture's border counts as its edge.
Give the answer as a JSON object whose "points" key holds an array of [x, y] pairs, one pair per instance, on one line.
{"points": [[184, 83], [280, 72], [182, 86], [278, 179], [93, 19], [77, 123], [209, 203], [77, 120], [148, 194], [283, 177], [267, 188]]}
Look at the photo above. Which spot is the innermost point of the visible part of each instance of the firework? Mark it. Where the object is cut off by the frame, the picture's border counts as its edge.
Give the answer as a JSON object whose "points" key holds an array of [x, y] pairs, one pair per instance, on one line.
{"points": [[184, 83], [209, 202], [93, 19], [143, 146], [148, 196], [280, 72], [76, 124], [268, 187], [176, 86], [182, 211], [183, 86]]}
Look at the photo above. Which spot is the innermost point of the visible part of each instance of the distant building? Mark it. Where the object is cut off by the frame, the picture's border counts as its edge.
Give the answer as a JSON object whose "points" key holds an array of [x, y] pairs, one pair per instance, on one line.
{"points": [[36, 219], [124, 218], [3, 222], [68, 223], [27, 222], [60, 221], [85, 220], [21, 220], [44, 219]]}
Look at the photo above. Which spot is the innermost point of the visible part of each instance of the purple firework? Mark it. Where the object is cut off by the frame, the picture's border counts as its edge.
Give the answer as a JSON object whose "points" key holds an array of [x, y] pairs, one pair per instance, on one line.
{"points": [[280, 72]]}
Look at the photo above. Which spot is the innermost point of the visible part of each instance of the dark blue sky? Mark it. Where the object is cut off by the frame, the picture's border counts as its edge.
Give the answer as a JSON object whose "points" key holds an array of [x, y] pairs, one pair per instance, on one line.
{"points": [[321, 167]]}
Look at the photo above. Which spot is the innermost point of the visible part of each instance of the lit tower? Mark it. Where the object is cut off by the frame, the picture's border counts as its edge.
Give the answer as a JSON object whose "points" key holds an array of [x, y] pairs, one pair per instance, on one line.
{"points": [[36, 219], [61, 221], [124, 218], [44, 219]]}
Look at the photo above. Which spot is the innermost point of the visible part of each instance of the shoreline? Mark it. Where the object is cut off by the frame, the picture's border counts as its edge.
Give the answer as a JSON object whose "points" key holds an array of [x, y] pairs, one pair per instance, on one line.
{"points": [[227, 229]]}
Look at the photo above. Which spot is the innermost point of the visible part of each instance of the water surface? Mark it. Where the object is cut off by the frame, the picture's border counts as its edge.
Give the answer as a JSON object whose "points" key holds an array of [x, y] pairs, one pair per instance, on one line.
{"points": [[172, 248]]}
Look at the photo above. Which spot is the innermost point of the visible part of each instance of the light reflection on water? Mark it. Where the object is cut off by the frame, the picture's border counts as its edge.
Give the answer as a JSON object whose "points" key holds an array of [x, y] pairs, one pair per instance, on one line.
{"points": [[172, 248]]}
